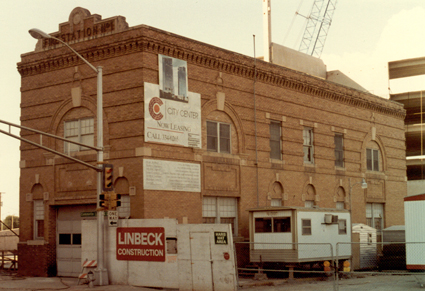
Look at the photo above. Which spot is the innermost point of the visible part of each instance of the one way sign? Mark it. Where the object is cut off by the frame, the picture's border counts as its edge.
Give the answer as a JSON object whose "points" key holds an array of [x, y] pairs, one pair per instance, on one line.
{"points": [[112, 218]]}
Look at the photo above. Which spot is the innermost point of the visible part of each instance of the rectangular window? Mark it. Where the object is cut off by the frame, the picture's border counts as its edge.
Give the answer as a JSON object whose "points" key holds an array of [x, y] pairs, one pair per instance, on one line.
{"points": [[309, 203], [276, 202], [218, 137], [306, 226], [282, 224], [82, 131], [275, 224], [38, 219], [220, 210], [372, 159], [308, 147], [375, 215], [339, 150], [342, 226], [124, 209], [263, 225], [340, 205], [275, 140]]}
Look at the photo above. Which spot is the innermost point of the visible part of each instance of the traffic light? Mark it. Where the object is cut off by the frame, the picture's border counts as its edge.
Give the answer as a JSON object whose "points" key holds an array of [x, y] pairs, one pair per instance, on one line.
{"points": [[104, 201], [107, 177], [115, 201]]}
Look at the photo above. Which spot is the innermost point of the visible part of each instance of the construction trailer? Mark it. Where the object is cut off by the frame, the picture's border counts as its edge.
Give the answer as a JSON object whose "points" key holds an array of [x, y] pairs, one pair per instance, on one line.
{"points": [[299, 235], [414, 208], [364, 247]]}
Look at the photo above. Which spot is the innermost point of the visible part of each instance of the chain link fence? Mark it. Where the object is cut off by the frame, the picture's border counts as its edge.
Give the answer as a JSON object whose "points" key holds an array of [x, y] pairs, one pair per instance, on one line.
{"points": [[383, 259], [380, 266], [285, 261]]}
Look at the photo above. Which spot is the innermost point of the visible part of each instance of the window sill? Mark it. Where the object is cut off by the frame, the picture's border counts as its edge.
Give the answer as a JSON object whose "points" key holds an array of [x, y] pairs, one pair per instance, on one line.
{"points": [[276, 161], [309, 164]]}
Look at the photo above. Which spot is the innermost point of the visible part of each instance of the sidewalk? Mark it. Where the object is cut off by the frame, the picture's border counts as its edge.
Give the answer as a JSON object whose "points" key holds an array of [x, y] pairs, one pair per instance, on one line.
{"points": [[11, 281]]}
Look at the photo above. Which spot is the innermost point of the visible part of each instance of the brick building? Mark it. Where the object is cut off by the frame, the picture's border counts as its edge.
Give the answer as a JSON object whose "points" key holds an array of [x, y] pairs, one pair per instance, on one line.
{"points": [[194, 132]]}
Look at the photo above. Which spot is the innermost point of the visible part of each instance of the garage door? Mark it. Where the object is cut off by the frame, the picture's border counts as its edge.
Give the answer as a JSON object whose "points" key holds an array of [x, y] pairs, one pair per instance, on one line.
{"points": [[68, 239]]}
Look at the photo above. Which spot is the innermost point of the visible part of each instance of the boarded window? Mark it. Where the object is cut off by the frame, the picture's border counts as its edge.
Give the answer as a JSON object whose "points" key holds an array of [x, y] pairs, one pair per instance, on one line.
{"points": [[275, 140], [339, 150]]}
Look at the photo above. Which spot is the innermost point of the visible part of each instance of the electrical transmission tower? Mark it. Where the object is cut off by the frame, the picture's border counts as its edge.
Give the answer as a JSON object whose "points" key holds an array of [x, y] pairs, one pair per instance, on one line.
{"points": [[318, 23]]}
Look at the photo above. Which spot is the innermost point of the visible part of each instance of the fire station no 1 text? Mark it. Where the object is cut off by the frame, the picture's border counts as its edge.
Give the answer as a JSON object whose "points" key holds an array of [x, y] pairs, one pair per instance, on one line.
{"points": [[143, 238]]}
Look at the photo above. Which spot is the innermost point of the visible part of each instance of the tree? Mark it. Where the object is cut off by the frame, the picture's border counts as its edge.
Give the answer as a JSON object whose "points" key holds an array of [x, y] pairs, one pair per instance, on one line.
{"points": [[8, 221]]}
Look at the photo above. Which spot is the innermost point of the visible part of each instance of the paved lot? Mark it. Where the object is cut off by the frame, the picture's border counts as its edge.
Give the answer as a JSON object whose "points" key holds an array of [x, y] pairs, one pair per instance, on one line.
{"points": [[366, 282], [10, 281]]}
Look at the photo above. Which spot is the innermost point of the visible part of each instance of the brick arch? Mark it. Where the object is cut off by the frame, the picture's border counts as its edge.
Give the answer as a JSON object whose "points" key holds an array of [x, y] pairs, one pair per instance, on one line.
{"points": [[66, 107], [37, 191], [211, 106], [378, 140], [309, 192], [121, 186]]}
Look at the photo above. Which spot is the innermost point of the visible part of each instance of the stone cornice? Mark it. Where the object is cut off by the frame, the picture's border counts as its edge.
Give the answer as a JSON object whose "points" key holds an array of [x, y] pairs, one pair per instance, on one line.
{"points": [[223, 61]]}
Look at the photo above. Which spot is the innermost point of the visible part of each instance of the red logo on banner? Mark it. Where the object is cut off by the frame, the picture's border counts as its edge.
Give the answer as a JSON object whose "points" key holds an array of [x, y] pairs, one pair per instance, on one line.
{"points": [[141, 244], [155, 108]]}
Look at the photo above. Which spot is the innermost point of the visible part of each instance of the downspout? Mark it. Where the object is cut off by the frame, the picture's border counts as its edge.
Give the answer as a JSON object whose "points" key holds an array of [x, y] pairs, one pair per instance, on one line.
{"points": [[255, 121]]}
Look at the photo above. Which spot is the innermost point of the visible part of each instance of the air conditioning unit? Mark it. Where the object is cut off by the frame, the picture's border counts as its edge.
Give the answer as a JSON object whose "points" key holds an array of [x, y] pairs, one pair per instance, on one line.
{"points": [[334, 218], [328, 218]]}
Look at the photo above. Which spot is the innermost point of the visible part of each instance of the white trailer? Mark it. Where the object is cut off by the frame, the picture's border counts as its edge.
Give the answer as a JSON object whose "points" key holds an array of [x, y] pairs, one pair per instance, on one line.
{"points": [[294, 235], [414, 219]]}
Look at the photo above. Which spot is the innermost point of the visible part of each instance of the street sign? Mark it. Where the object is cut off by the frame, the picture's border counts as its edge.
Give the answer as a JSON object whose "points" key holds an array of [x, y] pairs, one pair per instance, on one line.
{"points": [[112, 218]]}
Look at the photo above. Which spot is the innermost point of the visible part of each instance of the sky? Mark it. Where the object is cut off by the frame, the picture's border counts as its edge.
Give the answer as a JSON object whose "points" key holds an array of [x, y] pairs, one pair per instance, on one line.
{"points": [[364, 36]]}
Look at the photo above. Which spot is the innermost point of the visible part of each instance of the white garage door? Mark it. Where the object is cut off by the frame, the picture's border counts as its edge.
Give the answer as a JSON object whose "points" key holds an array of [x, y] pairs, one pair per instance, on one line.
{"points": [[68, 239]]}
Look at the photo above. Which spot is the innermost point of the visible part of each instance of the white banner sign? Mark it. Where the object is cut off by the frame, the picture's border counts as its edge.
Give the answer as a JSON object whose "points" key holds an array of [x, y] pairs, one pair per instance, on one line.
{"points": [[172, 122], [172, 113], [172, 176]]}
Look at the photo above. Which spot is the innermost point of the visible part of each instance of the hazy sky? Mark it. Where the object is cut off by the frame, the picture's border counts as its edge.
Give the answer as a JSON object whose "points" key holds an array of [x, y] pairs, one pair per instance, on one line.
{"points": [[364, 36]]}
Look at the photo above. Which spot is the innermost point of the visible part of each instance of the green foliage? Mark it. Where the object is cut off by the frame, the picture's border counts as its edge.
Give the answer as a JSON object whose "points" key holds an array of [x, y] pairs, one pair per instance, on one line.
{"points": [[8, 221]]}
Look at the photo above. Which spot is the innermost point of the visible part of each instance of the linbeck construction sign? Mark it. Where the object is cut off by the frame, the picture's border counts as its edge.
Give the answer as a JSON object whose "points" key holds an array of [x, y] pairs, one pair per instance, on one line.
{"points": [[141, 244]]}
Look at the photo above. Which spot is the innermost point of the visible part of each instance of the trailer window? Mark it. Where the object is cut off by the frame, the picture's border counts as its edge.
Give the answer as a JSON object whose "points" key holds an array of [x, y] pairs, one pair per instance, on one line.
{"points": [[306, 226], [282, 224], [263, 225], [342, 226]]}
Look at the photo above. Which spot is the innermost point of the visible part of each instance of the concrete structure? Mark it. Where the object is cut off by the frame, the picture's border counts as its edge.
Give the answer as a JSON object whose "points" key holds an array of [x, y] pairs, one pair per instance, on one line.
{"points": [[195, 133], [414, 123]]}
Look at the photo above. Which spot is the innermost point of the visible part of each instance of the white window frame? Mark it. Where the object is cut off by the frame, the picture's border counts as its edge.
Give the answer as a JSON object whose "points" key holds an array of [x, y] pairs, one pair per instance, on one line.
{"points": [[275, 140], [306, 229], [372, 159], [38, 216], [339, 150], [308, 145], [79, 135], [374, 213], [218, 138], [214, 208]]}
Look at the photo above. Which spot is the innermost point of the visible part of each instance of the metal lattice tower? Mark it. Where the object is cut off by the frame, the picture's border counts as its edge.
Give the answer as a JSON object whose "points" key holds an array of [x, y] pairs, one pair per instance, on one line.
{"points": [[318, 23]]}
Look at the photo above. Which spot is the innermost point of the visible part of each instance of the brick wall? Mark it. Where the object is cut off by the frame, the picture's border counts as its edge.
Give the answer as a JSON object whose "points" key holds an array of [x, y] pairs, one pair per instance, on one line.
{"points": [[130, 58]]}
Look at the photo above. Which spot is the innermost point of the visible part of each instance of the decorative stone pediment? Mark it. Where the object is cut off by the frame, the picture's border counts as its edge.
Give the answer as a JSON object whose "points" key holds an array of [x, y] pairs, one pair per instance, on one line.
{"points": [[81, 26]]}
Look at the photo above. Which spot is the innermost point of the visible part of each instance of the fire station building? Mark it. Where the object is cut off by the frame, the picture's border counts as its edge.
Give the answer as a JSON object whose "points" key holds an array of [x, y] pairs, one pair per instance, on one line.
{"points": [[196, 133]]}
